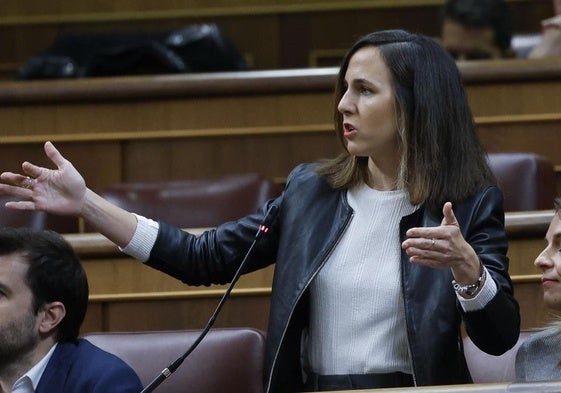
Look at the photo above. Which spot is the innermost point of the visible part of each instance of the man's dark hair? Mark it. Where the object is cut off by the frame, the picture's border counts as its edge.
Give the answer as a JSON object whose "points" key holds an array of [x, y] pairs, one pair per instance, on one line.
{"points": [[55, 273], [482, 13]]}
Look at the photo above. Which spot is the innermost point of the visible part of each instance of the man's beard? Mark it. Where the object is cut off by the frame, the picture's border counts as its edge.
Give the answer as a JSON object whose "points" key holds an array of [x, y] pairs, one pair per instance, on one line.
{"points": [[17, 339]]}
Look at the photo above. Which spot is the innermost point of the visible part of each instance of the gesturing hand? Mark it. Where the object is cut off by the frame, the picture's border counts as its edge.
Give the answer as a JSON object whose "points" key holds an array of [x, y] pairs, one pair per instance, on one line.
{"points": [[443, 246], [60, 191]]}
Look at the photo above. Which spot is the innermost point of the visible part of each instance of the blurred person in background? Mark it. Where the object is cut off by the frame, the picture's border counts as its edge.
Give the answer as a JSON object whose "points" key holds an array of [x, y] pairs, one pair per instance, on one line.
{"points": [[550, 44], [477, 29]]}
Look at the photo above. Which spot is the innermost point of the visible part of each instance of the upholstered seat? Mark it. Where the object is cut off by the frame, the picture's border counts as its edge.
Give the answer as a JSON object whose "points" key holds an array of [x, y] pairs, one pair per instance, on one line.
{"points": [[194, 203], [35, 219], [227, 359], [526, 179]]}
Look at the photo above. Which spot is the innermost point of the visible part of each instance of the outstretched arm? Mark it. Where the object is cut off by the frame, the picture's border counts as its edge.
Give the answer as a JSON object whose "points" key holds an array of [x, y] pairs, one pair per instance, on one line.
{"points": [[63, 191]]}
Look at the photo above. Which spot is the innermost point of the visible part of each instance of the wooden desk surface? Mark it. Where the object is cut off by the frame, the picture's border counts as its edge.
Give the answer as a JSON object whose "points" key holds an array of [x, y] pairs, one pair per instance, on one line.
{"points": [[528, 387], [248, 82]]}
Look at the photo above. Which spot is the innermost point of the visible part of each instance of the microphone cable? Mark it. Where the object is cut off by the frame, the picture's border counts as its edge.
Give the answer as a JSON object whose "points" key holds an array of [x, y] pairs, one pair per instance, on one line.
{"points": [[172, 367]]}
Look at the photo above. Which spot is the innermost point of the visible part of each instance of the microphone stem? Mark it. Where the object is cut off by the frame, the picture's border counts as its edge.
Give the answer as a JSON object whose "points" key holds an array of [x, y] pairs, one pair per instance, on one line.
{"points": [[165, 373]]}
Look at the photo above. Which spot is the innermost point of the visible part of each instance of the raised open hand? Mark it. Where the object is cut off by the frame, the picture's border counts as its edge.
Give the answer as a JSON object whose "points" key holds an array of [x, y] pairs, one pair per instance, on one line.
{"points": [[60, 191]]}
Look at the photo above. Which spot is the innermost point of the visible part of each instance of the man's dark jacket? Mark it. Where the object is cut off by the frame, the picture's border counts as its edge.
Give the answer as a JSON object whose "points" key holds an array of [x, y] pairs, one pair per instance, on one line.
{"points": [[81, 367], [312, 217]]}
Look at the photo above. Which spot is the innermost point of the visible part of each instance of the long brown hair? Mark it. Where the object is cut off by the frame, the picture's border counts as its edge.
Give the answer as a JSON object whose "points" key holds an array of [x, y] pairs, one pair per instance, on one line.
{"points": [[442, 159]]}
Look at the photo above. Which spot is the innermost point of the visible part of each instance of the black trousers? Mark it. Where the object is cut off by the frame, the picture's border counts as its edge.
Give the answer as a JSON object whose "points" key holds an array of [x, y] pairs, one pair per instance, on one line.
{"points": [[319, 383]]}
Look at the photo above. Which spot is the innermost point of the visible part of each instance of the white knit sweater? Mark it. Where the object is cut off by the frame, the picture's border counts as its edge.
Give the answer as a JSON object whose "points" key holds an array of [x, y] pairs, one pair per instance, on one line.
{"points": [[357, 323]]}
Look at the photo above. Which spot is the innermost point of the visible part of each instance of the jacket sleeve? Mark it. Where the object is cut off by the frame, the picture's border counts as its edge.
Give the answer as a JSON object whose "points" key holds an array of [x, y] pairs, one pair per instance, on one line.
{"points": [[83, 367], [121, 379], [214, 256], [495, 328]]}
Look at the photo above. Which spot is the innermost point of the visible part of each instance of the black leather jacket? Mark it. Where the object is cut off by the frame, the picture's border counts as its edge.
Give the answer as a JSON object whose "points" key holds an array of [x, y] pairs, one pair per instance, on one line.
{"points": [[312, 218]]}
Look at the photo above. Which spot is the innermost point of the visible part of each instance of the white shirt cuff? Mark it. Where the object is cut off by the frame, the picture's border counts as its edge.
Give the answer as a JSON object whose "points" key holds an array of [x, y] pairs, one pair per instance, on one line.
{"points": [[484, 296], [143, 239]]}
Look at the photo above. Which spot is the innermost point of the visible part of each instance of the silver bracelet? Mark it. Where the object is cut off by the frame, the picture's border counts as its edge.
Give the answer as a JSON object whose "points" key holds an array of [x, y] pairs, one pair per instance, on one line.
{"points": [[470, 289]]}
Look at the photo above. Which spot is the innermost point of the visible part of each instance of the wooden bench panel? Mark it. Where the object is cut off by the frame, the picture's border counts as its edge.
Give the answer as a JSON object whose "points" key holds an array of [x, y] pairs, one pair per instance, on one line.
{"points": [[125, 295], [271, 150], [181, 310], [188, 126]]}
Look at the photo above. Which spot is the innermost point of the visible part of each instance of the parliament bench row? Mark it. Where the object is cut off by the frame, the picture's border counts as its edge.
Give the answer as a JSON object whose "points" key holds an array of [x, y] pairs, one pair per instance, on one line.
{"points": [[127, 295], [231, 359], [527, 180], [248, 305], [173, 127], [271, 34]]}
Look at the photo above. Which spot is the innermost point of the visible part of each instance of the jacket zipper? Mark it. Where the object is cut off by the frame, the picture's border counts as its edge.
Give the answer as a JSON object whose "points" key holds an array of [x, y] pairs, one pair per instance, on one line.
{"points": [[343, 229]]}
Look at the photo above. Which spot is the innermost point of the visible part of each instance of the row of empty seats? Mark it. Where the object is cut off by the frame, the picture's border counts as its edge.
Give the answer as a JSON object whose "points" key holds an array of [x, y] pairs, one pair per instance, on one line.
{"points": [[528, 182], [231, 359], [193, 203]]}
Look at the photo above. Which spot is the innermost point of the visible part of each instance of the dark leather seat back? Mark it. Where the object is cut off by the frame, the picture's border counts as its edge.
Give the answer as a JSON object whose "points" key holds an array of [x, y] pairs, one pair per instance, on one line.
{"points": [[194, 203], [527, 180], [226, 360], [485, 368], [35, 219]]}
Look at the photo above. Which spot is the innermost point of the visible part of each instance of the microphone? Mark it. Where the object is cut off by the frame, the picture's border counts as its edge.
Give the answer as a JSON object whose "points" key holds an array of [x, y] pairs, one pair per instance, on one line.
{"points": [[264, 227]]}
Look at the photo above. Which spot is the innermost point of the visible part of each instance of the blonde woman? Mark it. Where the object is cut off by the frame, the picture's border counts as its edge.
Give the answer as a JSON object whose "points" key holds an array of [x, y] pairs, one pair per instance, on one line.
{"points": [[539, 357]]}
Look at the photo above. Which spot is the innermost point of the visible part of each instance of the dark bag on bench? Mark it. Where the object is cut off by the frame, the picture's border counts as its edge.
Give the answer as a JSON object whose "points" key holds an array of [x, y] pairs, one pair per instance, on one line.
{"points": [[194, 48]]}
